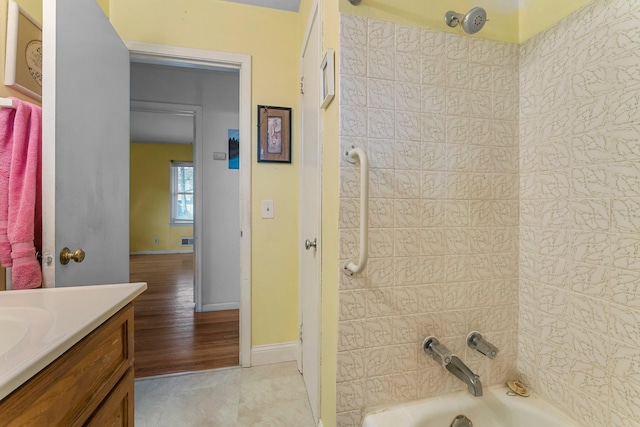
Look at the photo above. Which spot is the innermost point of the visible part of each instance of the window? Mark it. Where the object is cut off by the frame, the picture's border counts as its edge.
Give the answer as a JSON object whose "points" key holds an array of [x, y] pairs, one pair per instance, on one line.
{"points": [[181, 192]]}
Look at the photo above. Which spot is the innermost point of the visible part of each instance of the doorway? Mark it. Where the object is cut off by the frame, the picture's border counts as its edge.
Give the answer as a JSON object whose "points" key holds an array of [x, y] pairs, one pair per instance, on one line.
{"points": [[210, 153]]}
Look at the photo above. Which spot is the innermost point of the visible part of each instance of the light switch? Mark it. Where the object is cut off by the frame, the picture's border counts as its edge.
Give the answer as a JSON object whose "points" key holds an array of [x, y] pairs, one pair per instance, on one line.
{"points": [[267, 209]]}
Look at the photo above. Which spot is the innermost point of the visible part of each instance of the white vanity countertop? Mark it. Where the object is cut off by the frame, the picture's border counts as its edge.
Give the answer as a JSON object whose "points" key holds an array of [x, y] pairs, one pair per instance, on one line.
{"points": [[37, 326]]}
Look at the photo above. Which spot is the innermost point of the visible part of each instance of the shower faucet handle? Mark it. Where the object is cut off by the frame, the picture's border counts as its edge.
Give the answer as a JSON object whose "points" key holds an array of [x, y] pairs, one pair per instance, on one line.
{"points": [[432, 347], [478, 343]]}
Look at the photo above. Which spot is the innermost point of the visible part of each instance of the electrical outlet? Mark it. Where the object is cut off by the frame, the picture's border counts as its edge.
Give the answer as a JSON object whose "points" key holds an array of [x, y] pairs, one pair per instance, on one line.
{"points": [[267, 209], [155, 240]]}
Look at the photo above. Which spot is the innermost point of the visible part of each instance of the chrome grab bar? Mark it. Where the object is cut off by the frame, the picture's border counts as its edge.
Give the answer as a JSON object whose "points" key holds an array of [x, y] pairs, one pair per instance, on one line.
{"points": [[350, 267]]}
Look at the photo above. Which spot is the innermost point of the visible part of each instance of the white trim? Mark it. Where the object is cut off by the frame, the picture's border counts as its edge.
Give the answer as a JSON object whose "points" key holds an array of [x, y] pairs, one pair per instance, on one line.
{"points": [[208, 59], [49, 93], [173, 193], [273, 353], [221, 306], [327, 76], [185, 251]]}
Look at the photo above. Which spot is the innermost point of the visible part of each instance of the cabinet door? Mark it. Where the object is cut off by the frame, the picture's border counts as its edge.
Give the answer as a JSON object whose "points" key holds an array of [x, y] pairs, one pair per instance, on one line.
{"points": [[117, 409], [69, 390]]}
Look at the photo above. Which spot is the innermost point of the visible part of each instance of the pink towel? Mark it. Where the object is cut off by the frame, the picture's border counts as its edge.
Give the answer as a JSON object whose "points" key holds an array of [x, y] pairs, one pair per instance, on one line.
{"points": [[7, 116], [23, 191]]}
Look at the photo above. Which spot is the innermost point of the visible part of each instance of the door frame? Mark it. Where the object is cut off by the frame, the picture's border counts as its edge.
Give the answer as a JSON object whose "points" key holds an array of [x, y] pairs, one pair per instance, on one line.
{"points": [[214, 60], [194, 111], [315, 14]]}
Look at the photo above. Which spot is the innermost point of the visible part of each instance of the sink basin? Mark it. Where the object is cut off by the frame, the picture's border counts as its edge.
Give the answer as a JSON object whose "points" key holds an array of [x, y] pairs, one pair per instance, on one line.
{"points": [[13, 331], [38, 325], [20, 325]]}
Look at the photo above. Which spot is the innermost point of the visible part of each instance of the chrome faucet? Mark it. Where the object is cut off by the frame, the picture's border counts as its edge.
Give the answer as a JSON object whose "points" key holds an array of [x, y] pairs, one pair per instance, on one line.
{"points": [[441, 354], [462, 371], [476, 342], [432, 347], [461, 421]]}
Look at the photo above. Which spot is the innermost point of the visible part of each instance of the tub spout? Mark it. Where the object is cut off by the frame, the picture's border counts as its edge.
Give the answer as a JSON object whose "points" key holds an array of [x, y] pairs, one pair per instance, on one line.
{"points": [[462, 371]]}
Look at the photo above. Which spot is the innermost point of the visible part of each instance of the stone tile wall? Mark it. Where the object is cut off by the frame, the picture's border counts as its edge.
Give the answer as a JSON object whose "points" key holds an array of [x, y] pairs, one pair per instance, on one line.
{"points": [[579, 342], [437, 114]]}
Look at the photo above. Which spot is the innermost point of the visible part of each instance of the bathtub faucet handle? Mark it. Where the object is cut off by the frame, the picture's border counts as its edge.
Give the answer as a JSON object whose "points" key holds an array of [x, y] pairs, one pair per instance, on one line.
{"points": [[432, 347], [478, 343]]}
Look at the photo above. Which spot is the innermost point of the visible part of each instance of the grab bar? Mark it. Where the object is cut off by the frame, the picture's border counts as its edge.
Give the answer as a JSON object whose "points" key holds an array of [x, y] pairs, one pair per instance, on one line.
{"points": [[350, 267]]}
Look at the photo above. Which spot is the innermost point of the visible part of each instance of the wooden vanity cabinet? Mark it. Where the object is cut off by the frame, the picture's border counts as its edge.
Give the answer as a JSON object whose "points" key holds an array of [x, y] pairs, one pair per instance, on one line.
{"points": [[90, 384]]}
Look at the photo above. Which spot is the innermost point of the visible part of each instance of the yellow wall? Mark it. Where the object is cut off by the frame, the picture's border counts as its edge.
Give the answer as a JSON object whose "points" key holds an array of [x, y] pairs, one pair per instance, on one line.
{"points": [[104, 4], [538, 15], [150, 197], [271, 38]]}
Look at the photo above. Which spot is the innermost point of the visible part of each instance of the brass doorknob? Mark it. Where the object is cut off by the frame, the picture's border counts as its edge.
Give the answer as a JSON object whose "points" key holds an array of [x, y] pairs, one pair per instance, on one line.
{"points": [[66, 255]]}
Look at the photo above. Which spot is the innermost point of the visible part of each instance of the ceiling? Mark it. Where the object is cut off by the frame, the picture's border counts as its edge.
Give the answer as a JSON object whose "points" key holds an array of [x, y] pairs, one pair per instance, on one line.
{"points": [[162, 127], [289, 5]]}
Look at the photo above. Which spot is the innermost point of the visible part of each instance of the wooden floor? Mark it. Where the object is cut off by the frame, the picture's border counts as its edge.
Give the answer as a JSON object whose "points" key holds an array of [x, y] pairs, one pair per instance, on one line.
{"points": [[170, 336]]}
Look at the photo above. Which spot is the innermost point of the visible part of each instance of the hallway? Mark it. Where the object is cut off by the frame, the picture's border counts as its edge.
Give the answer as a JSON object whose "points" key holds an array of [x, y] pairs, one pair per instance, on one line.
{"points": [[170, 337]]}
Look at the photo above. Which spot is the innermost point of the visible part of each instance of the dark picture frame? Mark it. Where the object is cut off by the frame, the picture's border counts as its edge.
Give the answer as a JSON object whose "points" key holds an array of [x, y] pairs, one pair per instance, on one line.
{"points": [[274, 134]]}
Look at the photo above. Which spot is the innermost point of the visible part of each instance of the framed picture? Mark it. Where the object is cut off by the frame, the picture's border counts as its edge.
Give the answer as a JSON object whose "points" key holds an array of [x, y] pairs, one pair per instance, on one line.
{"points": [[274, 134], [234, 148], [327, 86], [23, 62]]}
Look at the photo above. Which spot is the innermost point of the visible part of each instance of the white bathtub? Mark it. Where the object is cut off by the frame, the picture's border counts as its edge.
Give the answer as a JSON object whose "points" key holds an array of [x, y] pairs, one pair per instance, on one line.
{"points": [[494, 409]]}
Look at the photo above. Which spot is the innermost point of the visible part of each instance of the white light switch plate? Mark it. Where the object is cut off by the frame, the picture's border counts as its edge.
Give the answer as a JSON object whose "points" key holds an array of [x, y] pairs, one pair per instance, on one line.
{"points": [[267, 209]]}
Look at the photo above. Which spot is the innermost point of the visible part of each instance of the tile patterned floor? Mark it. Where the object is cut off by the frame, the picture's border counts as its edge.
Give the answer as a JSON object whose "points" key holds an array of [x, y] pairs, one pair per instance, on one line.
{"points": [[272, 395]]}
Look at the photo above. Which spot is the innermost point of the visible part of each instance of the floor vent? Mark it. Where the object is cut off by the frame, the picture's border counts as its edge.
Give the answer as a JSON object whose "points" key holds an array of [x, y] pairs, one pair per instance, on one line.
{"points": [[186, 241]]}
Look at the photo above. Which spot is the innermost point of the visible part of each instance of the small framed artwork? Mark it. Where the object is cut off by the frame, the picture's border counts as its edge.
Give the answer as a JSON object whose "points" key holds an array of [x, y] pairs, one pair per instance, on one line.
{"points": [[234, 148], [274, 134], [23, 62], [327, 86]]}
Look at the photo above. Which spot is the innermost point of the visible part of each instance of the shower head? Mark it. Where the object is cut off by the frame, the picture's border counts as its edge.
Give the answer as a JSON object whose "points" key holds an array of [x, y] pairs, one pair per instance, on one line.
{"points": [[471, 23]]}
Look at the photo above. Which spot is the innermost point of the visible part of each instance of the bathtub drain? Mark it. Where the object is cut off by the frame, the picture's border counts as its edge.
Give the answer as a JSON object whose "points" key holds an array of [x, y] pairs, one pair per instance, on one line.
{"points": [[461, 421]]}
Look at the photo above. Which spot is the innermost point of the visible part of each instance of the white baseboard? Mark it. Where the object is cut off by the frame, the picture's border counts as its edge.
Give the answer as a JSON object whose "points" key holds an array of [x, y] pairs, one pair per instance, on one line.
{"points": [[221, 306], [180, 251], [273, 353]]}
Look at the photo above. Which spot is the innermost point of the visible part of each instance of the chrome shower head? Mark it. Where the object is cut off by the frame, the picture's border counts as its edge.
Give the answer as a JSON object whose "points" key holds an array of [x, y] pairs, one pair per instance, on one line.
{"points": [[471, 23]]}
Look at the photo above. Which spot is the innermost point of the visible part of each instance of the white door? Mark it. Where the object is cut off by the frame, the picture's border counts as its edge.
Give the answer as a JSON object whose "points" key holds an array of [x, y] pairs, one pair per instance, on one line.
{"points": [[309, 211], [85, 145]]}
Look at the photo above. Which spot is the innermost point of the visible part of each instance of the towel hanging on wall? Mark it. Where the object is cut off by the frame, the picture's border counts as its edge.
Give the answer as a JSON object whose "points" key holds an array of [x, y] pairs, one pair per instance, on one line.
{"points": [[21, 192]]}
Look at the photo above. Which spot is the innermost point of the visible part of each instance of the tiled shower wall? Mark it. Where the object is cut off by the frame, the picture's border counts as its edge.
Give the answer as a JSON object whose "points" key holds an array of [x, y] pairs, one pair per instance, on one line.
{"points": [[437, 114], [580, 213]]}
